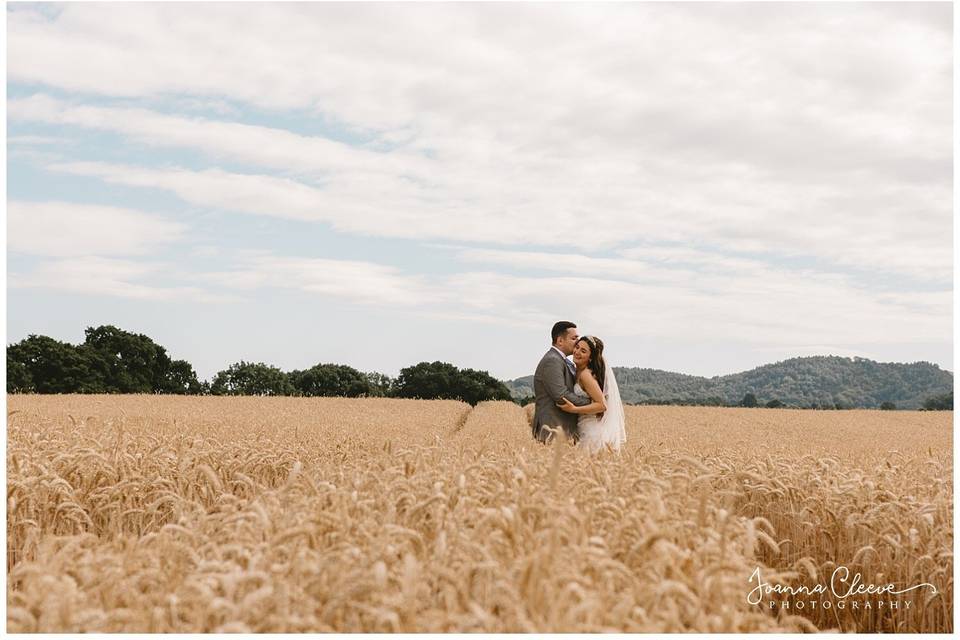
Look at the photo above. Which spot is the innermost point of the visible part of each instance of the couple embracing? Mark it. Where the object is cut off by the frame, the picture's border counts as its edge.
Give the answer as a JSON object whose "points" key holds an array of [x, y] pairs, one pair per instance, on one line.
{"points": [[580, 396]]}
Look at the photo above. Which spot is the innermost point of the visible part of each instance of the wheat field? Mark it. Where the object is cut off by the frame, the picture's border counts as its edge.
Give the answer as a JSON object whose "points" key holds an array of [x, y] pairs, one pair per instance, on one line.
{"points": [[212, 514]]}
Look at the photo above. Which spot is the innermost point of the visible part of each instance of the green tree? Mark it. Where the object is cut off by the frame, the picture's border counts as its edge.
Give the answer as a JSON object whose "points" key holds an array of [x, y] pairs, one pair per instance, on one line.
{"points": [[18, 376], [888, 406], [441, 380], [331, 380], [428, 380], [251, 379], [774, 404], [181, 379], [749, 400], [939, 403], [381, 385], [51, 366], [136, 363], [477, 386]]}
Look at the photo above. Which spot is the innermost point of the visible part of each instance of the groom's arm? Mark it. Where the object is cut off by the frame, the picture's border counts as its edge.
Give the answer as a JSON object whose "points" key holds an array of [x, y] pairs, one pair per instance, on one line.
{"points": [[556, 388]]}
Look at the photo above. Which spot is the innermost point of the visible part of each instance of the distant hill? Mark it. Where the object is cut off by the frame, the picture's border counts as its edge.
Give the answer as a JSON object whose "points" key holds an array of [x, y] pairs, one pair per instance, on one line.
{"points": [[816, 381]]}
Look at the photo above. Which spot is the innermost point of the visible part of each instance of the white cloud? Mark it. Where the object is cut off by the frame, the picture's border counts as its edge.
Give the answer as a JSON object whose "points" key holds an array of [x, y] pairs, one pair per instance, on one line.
{"points": [[357, 281], [70, 229], [678, 136], [801, 312], [787, 311], [720, 299], [799, 307], [258, 145], [392, 208], [97, 276], [36, 140], [432, 62], [206, 251], [818, 130], [258, 194], [659, 265], [885, 239]]}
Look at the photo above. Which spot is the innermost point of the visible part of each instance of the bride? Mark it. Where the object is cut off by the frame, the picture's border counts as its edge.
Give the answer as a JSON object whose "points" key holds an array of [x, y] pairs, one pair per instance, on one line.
{"points": [[601, 422]]}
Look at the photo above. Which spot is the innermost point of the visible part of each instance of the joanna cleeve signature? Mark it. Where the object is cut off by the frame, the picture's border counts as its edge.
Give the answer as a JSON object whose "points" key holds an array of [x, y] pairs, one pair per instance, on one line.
{"points": [[837, 587]]}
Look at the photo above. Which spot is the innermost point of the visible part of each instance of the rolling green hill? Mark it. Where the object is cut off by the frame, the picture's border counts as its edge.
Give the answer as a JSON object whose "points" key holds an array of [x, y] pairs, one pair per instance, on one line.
{"points": [[816, 381]]}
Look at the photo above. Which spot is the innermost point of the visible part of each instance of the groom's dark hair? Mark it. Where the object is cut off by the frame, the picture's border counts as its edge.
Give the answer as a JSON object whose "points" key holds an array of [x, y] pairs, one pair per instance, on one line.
{"points": [[560, 329]]}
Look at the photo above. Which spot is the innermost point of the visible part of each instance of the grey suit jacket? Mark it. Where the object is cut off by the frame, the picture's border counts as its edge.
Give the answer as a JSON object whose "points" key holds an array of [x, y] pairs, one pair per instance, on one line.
{"points": [[553, 380]]}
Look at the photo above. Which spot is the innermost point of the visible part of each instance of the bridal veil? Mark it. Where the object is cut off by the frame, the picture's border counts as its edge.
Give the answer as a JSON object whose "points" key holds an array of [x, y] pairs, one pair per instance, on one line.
{"points": [[613, 424]]}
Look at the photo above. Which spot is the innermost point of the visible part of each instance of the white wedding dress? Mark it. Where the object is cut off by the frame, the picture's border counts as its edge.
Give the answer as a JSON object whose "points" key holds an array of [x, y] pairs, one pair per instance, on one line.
{"points": [[596, 433]]}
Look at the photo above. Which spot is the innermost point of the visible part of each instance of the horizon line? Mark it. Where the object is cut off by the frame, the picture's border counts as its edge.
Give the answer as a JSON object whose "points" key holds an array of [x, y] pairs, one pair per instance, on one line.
{"points": [[723, 375]]}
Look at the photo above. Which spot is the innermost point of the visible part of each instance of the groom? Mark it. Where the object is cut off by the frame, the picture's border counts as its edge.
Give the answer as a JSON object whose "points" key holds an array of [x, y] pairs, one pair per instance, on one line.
{"points": [[553, 380]]}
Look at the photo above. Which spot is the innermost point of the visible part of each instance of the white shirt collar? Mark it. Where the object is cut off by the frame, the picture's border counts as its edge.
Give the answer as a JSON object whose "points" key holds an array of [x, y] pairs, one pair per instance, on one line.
{"points": [[558, 351]]}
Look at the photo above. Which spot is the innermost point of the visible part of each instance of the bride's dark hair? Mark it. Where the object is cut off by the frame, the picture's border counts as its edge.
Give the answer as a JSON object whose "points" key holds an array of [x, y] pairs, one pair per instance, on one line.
{"points": [[596, 362]]}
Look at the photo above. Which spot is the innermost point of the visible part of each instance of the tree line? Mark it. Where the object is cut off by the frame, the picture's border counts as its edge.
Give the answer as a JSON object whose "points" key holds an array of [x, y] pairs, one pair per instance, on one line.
{"points": [[111, 360]]}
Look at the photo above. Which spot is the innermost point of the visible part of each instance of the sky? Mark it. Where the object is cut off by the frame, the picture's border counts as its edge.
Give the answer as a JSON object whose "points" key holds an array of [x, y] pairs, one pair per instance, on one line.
{"points": [[706, 187]]}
